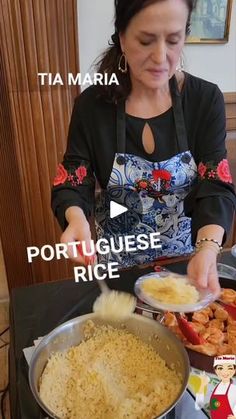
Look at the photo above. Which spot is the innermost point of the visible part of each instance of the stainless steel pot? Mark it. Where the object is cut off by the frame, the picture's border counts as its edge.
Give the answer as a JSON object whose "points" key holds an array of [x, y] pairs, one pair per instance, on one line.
{"points": [[71, 333]]}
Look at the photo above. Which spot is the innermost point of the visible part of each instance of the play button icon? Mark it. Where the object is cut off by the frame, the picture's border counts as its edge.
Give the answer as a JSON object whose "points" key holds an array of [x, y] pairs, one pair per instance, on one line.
{"points": [[116, 209]]}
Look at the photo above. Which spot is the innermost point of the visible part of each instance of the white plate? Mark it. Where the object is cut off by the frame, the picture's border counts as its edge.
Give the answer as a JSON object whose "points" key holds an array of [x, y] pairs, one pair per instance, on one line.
{"points": [[205, 295]]}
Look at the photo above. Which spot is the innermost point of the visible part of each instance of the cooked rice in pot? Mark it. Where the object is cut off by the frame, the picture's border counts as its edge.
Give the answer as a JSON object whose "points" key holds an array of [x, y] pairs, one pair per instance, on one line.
{"points": [[111, 375]]}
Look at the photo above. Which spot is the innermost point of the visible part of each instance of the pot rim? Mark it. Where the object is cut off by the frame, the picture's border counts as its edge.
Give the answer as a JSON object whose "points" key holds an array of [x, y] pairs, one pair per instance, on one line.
{"points": [[90, 316]]}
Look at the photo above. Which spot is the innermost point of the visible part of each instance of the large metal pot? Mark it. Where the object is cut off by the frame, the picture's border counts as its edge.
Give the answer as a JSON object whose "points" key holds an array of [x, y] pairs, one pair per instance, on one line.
{"points": [[71, 333]]}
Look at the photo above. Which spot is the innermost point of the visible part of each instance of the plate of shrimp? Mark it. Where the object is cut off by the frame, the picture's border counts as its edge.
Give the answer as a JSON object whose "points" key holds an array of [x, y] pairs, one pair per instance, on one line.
{"points": [[214, 324]]}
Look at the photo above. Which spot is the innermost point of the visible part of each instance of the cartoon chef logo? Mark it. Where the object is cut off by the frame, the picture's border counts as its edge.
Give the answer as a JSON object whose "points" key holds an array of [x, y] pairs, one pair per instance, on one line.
{"points": [[223, 398]]}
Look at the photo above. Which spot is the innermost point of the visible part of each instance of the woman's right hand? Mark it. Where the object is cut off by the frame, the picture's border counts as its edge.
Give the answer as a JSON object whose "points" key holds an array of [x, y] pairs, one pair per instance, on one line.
{"points": [[78, 229]]}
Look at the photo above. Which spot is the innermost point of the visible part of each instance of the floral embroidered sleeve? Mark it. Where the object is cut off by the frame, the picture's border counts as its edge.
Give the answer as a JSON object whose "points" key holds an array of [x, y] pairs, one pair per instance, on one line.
{"points": [[212, 171], [72, 176], [74, 183], [212, 200]]}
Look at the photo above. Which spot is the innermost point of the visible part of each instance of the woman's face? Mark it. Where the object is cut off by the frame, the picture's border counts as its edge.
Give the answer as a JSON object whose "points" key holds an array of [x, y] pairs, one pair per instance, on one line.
{"points": [[225, 372], [153, 42]]}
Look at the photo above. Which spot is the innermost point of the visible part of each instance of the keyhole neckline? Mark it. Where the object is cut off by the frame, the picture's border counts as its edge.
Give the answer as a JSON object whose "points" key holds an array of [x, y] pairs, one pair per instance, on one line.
{"points": [[163, 114]]}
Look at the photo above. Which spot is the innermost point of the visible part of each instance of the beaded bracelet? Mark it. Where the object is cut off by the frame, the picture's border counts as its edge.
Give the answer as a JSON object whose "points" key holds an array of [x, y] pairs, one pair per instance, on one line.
{"points": [[208, 245], [206, 240]]}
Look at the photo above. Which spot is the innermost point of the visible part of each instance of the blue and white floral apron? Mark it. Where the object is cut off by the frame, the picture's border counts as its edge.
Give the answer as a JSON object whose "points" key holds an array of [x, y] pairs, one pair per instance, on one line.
{"points": [[152, 191]]}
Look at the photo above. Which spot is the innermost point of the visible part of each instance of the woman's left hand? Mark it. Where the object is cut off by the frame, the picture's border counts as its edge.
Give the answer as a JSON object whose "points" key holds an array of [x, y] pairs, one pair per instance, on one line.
{"points": [[202, 269]]}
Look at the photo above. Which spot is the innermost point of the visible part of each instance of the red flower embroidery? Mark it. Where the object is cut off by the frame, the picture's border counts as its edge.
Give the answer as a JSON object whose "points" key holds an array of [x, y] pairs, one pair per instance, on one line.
{"points": [[212, 174], [161, 174], [202, 169], [210, 171], [223, 171], [70, 178], [143, 184], [81, 172], [61, 175]]}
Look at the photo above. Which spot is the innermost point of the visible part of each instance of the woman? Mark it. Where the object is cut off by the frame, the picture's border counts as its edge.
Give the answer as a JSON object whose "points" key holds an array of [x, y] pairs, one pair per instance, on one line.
{"points": [[223, 398], [143, 140]]}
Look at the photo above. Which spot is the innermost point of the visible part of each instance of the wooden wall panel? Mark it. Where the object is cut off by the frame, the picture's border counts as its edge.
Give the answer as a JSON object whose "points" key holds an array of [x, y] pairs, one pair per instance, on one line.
{"points": [[231, 148], [35, 36], [12, 217], [230, 107]]}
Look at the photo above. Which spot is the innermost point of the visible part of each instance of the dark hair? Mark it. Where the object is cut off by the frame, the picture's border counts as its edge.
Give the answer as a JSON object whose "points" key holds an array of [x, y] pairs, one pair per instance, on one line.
{"points": [[124, 12]]}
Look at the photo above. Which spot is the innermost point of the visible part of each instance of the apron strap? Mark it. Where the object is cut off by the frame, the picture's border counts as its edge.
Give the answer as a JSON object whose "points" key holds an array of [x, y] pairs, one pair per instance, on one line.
{"points": [[181, 134], [228, 389], [215, 388], [121, 127]]}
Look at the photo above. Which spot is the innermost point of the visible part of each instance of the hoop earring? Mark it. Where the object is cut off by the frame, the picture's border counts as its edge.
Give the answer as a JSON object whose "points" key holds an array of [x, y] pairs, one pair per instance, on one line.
{"points": [[123, 61], [180, 66]]}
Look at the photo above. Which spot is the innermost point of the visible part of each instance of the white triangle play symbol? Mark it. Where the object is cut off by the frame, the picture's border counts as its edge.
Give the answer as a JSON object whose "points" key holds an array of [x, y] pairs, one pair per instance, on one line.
{"points": [[116, 209]]}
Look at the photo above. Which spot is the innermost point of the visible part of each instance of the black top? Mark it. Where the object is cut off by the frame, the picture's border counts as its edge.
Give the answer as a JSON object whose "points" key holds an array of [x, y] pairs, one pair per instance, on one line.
{"points": [[92, 143]]}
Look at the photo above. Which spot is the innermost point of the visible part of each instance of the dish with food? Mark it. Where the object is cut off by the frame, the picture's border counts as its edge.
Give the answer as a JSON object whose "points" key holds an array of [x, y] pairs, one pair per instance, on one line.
{"points": [[111, 373], [171, 289], [168, 291], [213, 324]]}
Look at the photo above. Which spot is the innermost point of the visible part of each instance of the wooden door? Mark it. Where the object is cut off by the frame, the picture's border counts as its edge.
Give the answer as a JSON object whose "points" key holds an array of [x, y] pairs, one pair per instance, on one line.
{"points": [[35, 36], [230, 105]]}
